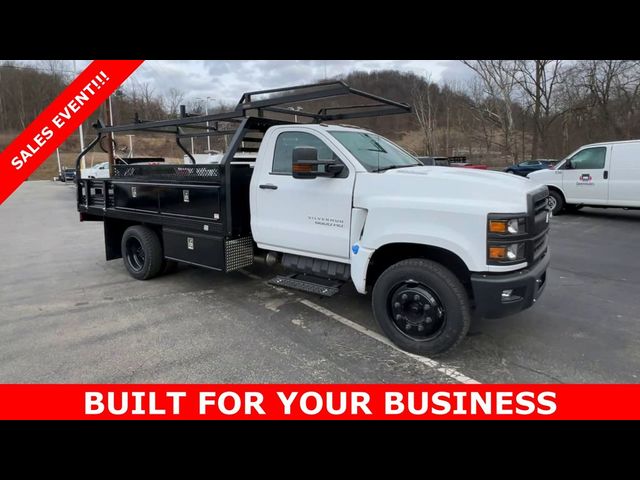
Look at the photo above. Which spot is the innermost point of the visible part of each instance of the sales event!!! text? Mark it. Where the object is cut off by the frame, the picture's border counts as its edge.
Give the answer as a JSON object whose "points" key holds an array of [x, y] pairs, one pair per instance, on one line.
{"points": [[59, 120]]}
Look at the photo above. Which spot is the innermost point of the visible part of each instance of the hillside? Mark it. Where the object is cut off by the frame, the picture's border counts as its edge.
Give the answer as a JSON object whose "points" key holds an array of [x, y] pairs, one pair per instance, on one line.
{"points": [[544, 109]]}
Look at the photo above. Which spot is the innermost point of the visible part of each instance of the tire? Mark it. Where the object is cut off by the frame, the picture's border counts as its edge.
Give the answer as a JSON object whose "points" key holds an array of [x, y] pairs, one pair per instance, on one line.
{"points": [[556, 202], [142, 252], [423, 281], [511, 172]]}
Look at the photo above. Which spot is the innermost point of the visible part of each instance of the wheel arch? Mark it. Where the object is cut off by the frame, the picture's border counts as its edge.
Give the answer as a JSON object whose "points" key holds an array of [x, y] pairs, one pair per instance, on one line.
{"points": [[114, 228], [559, 190], [391, 253]]}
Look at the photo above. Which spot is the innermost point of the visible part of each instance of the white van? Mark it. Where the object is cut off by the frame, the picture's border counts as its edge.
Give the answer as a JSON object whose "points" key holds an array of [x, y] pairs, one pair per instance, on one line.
{"points": [[596, 175]]}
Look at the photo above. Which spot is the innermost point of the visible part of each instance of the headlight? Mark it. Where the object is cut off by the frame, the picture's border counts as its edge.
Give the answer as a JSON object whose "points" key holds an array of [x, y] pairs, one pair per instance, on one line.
{"points": [[512, 252], [506, 236], [512, 226]]}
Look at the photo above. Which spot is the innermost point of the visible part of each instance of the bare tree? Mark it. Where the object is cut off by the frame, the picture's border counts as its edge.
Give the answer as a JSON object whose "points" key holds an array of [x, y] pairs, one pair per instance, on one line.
{"points": [[173, 100], [424, 109], [483, 113], [499, 83], [538, 80], [606, 80]]}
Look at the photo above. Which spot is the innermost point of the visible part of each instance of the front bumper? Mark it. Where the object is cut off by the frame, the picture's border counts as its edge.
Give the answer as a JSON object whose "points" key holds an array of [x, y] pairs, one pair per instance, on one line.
{"points": [[527, 285]]}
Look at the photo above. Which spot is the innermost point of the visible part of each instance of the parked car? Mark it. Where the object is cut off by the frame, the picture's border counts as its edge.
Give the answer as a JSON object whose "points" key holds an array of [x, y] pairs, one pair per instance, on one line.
{"points": [[524, 168], [596, 175], [100, 170], [434, 161], [67, 175]]}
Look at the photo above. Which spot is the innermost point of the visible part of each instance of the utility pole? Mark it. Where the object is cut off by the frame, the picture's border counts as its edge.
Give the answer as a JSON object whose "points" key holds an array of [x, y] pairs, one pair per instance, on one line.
{"points": [[206, 112], [130, 145], [113, 137], [59, 166], [82, 162], [107, 110], [295, 109]]}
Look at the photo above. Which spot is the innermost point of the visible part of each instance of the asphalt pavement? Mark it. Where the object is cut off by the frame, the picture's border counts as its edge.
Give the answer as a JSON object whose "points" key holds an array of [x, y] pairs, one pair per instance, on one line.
{"points": [[68, 316]]}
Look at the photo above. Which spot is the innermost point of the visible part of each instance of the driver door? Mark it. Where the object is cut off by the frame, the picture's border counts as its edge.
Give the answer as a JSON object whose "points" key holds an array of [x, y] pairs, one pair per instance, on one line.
{"points": [[585, 176], [310, 217]]}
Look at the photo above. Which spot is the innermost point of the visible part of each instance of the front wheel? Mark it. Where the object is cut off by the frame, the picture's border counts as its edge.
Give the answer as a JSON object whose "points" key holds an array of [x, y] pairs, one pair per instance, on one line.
{"points": [[421, 306], [556, 202]]}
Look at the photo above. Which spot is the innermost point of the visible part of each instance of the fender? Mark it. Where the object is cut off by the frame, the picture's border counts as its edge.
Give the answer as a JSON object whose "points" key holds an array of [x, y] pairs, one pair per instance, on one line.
{"points": [[361, 255]]}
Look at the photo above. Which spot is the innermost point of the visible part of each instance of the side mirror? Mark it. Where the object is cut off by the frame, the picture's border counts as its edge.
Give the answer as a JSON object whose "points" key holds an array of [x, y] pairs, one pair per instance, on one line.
{"points": [[305, 164]]}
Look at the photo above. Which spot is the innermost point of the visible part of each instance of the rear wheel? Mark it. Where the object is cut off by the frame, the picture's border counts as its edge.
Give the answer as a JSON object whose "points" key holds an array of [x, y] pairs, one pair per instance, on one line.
{"points": [[421, 306], [142, 252]]}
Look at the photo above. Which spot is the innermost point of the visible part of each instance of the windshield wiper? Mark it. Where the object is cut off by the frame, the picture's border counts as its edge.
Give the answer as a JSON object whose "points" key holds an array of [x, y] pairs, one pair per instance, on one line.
{"points": [[391, 167]]}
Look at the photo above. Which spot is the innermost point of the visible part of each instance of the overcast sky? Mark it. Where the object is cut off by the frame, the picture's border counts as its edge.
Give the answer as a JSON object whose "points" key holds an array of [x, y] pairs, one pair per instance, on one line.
{"points": [[226, 80]]}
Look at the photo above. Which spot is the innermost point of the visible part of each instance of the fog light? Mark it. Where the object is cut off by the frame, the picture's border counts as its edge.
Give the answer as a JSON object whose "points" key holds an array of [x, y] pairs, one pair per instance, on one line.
{"points": [[506, 294], [512, 251]]}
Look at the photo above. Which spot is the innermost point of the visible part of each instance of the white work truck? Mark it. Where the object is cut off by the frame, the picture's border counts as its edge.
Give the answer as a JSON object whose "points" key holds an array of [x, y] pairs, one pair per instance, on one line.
{"points": [[334, 204], [597, 175]]}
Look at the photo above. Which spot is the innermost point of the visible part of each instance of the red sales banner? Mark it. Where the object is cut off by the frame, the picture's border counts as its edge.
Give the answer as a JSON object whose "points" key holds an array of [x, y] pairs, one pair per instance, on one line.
{"points": [[319, 402], [59, 120]]}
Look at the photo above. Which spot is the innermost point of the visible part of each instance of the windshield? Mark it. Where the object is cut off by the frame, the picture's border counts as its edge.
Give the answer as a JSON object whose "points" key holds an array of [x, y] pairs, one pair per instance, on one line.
{"points": [[374, 152]]}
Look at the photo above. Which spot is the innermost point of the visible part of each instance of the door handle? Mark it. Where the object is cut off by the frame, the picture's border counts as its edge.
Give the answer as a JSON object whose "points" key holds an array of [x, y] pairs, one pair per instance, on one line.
{"points": [[605, 175], [269, 186]]}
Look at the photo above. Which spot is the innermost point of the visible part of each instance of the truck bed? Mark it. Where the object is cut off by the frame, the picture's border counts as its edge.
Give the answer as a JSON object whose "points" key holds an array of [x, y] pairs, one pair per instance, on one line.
{"points": [[185, 203]]}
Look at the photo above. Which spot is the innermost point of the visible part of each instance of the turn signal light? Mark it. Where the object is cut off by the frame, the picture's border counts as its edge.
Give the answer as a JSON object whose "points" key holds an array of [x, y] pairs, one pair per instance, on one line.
{"points": [[498, 226], [302, 168], [497, 253]]}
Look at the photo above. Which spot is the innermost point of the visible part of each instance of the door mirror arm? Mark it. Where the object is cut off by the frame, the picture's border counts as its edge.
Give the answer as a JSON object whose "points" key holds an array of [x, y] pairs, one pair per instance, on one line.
{"points": [[305, 164]]}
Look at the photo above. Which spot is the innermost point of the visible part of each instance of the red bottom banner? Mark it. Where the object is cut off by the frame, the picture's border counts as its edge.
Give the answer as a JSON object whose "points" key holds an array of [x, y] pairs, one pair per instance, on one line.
{"points": [[320, 402]]}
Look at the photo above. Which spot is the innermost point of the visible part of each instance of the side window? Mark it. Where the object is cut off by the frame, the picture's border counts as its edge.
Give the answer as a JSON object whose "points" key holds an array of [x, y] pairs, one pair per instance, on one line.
{"points": [[589, 159], [287, 141]]}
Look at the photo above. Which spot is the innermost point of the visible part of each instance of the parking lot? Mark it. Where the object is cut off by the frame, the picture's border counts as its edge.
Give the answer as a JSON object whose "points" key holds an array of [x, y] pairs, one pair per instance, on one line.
{"points": [[68, 316]]}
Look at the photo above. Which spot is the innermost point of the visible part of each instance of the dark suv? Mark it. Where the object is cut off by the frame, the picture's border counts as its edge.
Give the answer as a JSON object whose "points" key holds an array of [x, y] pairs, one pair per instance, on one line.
{"points": [[529, 166]]}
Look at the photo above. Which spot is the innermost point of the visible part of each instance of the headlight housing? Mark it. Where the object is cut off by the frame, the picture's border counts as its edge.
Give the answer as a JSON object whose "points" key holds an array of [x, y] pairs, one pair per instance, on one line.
{"points": [[506, 235], [507, 226]]}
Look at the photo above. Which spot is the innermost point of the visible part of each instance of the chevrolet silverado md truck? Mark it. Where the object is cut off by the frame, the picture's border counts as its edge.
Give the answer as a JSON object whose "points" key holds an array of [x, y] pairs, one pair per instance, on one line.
{"points": [[330, 204]]}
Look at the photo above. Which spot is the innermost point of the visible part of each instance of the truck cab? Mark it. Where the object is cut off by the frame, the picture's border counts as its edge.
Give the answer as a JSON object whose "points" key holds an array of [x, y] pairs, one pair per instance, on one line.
{"points": [[335, 204], [380, 207]]}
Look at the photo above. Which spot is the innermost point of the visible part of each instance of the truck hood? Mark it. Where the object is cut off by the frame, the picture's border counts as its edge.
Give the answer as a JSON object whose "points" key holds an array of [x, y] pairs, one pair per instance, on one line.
{"points": [[457, 188]]}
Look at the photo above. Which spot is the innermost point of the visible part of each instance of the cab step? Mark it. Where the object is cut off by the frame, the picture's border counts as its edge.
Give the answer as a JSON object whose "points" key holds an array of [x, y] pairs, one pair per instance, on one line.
{"points": [[308, 283]]}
